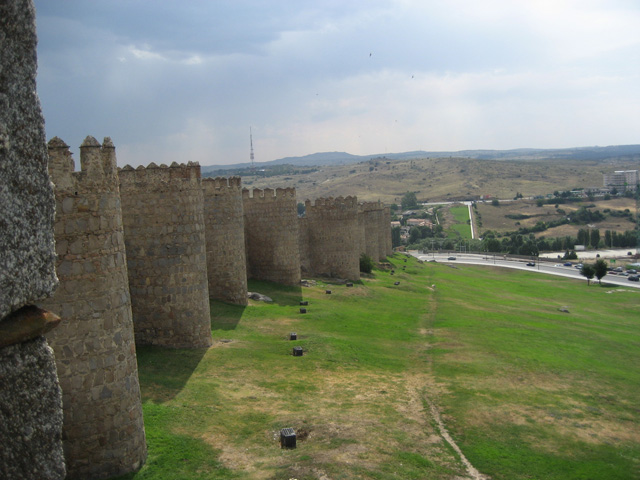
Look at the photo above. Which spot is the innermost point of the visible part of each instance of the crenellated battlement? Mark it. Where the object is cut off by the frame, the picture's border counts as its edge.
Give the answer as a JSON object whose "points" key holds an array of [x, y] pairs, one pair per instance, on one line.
{"points": [[269, 194], [221, 184], [158, 176], [331, 202], [98, 165], [370, 206]]}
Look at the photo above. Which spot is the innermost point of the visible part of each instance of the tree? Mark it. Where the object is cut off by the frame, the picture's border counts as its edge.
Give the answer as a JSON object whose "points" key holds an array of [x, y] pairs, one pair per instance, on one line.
{"points": [[414, 235], [600, 269], [595, 238], [409, 200], [588, 271], [495, 202], [366, 263]]}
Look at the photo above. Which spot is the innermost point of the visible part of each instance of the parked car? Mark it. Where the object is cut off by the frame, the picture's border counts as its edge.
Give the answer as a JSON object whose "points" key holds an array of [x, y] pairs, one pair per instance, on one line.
{"points": [[531, 264], [632, 271], [451, 258], [634, 278]]}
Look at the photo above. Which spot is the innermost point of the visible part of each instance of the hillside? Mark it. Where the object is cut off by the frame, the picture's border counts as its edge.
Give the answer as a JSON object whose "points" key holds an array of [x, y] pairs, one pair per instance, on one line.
{"points": [[621, 152], [440, 179]]}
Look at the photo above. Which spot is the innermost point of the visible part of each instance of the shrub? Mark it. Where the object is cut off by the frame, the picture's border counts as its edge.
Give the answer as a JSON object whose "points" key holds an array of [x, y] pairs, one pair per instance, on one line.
{"points": [[366, 263]]}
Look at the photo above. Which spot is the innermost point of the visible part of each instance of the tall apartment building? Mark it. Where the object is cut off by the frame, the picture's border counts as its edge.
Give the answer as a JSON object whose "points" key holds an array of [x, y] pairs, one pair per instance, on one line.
{"points": [[621, 179]]}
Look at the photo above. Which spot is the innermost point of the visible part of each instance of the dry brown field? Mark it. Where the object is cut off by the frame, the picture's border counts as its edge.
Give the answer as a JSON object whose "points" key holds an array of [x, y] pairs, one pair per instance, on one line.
{"points": [[494, 218]]}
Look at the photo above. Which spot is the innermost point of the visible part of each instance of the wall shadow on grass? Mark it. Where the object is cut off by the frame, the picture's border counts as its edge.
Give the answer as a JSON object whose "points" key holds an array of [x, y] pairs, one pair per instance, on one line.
{"points": [[163, 372], [225, 316], [283, 295]]}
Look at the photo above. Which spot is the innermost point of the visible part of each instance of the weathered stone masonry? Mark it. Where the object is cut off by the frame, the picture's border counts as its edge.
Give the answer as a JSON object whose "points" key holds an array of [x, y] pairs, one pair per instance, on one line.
{"points": [[271, 235], [334, 237], [30, 397], [371, 214], [162, 211], [94, 345], [224, 227]]}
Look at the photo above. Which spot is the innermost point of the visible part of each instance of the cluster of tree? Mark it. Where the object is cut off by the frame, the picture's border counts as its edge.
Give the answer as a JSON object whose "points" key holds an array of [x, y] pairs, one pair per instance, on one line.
{"points": [[425, 238], [598, 269], [409, 200]]}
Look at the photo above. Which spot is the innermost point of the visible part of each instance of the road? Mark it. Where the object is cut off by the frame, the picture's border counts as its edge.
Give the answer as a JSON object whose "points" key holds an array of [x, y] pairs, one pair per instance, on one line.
{"points": [[543, 267]]}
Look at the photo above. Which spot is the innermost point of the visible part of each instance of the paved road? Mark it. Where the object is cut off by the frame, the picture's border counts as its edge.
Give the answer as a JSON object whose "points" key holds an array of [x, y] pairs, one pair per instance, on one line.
{"points": [[544, 267]]}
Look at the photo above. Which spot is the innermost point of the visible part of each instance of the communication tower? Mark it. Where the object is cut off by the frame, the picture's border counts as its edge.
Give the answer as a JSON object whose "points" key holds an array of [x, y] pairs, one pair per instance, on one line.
{"points": [[253, 167]]}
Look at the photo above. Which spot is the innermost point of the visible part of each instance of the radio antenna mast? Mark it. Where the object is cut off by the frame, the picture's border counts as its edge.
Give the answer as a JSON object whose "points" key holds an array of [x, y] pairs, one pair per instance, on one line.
{"points": [[253, 167]]}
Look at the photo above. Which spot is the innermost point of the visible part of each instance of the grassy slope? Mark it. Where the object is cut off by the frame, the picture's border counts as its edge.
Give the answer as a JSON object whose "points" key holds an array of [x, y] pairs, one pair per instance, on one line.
{"points": [[533, 392], [527, 391]]}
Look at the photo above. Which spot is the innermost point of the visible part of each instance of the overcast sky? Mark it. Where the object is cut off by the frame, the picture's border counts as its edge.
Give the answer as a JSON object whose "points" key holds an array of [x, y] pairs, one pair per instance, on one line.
{"points": [[185, 80]]}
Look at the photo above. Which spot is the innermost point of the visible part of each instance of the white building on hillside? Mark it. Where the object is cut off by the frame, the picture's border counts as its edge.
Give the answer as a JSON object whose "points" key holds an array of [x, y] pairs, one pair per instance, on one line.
{"points": [[622, 179]]}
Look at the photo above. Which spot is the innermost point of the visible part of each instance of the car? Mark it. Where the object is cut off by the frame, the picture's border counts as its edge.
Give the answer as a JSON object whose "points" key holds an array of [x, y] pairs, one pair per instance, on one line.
{"points": [[578, 266], [558, 265], [632, 271], [618, 269], [451, 258], [531, 264], [634, 278], [567, 264]]}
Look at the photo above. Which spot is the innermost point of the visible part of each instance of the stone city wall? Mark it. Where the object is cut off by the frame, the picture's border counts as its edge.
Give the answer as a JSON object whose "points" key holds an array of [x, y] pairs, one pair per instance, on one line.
{"points": [[370, 214], [224, 232], [163, 217], [30, 396], [271, 235], [94, 346], [334, 237], [386, 232], [303, 242]]}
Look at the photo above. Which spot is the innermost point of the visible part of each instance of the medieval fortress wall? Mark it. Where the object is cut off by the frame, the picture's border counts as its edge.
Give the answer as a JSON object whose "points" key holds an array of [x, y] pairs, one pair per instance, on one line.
{"points": [[131, 256], [271, 235], [94, 345], [334, 237], [163, 218], [224, 232]]}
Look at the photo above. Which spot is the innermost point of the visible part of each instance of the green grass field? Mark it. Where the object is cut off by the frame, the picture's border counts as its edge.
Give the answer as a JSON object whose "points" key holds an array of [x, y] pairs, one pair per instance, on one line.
{"points": [[526, 391], [461, 228]]}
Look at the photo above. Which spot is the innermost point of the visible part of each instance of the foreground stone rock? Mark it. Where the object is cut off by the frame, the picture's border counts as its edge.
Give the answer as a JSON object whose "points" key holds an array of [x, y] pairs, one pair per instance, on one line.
{"points": [[31, 418], [30, 397], [259, 297]]}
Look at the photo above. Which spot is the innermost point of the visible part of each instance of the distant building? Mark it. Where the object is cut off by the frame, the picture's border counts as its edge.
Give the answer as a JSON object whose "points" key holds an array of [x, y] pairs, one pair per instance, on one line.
{"points": [[419, 222], [621, 179]]}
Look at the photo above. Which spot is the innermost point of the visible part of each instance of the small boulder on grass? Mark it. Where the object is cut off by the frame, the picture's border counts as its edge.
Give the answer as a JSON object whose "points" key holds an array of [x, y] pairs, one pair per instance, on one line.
{"points": [[564, 309], [259, 297]]}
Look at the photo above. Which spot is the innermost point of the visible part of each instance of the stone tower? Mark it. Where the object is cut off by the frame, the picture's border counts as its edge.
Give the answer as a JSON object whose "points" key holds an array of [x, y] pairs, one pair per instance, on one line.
{"points": [[371, 215], [94, 345], [224, 232], [30, 397], [271, 235], [162, 212], [386, 232], [334, 237]]}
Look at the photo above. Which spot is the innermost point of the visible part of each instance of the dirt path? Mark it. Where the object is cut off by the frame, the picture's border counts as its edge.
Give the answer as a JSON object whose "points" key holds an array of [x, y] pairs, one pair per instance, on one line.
{"points": [[472, 472]]}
